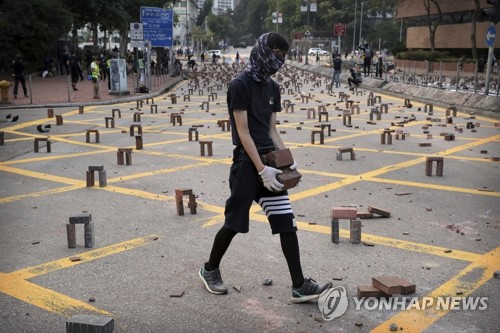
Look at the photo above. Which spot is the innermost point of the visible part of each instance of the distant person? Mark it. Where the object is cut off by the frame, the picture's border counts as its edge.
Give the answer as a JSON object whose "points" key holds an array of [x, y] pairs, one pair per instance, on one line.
{"points": [[164, 61], [18, 68], [191, 62], [88, 60], [367, 62], [202, 56], [214, 58], [480, 64], [75, 69], [237, 58], [95, 71], [379, 68], [354, 79], [337, 69]]}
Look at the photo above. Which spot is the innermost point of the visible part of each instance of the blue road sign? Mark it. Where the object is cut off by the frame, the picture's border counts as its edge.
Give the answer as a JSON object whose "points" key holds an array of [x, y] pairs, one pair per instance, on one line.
{"points": [[491, 34], [158, 26]]}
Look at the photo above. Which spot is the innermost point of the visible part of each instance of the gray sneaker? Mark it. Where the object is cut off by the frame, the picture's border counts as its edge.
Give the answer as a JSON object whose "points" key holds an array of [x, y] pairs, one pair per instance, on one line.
{"points": [[212, 281], [309, 291]]}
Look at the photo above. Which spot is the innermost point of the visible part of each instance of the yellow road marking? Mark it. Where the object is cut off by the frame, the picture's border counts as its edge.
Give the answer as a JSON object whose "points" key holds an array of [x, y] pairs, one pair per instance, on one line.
{"points": [[44, 298], [31, 272], [434, 186], [40, 175], [396, 243], [378, 240], [466, 281], [38, 194], [15, 284]]}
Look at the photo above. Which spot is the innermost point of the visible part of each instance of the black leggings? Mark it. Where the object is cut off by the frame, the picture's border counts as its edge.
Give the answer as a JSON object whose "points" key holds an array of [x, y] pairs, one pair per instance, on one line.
{"points": [[289, 246]]}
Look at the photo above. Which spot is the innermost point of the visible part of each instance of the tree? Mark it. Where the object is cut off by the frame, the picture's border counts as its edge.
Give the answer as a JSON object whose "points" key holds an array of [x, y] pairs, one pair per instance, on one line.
{"points": [[433, 21], [249, 18], [475, 17], [206, 10], [35, 35], [221, 26]]}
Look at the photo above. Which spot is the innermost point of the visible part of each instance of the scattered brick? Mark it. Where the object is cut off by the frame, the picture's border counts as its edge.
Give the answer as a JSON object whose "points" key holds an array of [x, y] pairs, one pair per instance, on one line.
{"points": [[388, 284], [177, 293], [370, 291], [75, 258], [90, 323], [364, 214], [379, 211], [348, 213], [406, 286]]}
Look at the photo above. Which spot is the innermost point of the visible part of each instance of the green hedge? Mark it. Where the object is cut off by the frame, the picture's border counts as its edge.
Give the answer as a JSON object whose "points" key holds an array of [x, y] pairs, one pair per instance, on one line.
{"points": [[425, 55]]}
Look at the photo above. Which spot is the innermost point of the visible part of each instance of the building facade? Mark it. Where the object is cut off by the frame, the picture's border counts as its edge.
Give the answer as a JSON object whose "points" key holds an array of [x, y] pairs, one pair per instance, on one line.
{"points": [[187, 11], [456, 27]]}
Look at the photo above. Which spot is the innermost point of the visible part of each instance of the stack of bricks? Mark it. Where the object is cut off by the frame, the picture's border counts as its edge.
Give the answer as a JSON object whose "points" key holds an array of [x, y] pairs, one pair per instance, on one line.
{"points": [[86, 220], [386, 286], [346, 213]]}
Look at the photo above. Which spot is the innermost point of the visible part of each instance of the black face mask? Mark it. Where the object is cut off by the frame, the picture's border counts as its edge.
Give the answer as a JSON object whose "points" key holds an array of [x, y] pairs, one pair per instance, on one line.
{"points": [[263, 62]]}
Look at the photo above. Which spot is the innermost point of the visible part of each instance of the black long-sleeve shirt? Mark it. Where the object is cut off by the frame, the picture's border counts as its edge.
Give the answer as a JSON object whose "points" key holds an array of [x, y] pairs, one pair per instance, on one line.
{"points": [[18, 68]]}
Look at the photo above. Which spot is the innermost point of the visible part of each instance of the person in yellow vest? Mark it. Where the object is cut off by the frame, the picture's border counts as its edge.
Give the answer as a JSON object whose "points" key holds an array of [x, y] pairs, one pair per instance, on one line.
{"points": [[108, 68], [96, 74]]}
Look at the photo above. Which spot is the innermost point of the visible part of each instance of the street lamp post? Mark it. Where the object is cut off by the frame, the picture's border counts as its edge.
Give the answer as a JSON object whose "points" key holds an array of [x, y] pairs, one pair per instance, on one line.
{"points": [[361, 23], [354, 33], [187, 23]]}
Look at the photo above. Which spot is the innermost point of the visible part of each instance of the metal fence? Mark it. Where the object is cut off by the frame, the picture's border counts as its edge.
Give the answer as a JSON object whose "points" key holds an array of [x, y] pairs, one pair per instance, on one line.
{"points": [[437, 75]]}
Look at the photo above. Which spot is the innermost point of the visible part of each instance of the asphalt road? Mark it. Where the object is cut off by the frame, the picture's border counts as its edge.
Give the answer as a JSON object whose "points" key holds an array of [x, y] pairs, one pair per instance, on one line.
{"points": [[443, 233]]}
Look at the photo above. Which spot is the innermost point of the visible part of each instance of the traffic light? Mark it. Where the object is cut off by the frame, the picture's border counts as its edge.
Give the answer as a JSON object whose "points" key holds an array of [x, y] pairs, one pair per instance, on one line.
{"points": [[492, 13]]}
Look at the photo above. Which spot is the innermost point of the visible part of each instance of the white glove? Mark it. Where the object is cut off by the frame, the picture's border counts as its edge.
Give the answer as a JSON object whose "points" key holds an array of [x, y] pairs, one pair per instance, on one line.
{"points": [[293, 166], [268, 176]]}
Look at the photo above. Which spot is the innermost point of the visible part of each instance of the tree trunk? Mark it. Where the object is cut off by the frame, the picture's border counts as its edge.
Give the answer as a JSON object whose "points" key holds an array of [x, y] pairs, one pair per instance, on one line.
{"points": [[475, 16], [95, 38], [123, 42], [74, 38]]}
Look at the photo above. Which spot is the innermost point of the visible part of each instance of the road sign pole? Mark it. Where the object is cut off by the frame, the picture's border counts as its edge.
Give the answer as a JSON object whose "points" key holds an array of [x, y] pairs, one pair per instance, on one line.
{"points": [[490, 42], [488, 71]]}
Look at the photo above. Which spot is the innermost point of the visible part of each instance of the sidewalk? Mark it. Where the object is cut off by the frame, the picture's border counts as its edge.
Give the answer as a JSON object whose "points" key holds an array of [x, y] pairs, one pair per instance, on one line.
{"points": [[57, 92]]}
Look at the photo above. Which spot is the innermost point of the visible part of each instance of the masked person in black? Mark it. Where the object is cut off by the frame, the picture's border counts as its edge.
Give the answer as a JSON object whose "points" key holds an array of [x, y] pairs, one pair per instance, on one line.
{"points": [[253, 101], [18, 68]]}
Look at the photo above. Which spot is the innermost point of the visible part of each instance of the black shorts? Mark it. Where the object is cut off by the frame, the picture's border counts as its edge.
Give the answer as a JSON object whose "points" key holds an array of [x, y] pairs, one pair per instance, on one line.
{"points": [[246, 187]]}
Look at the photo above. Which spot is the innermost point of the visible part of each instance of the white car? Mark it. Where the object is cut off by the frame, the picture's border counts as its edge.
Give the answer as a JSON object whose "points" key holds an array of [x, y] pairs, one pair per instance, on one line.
{"points": [[210, 53], [316, 50]]}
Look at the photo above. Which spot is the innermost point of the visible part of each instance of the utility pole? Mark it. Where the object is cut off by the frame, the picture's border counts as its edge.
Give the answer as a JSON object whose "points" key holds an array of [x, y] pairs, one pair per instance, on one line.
{"points": [[361, 23], [354, 33]]}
